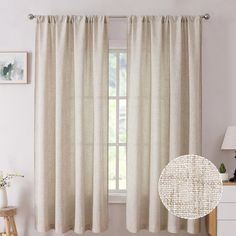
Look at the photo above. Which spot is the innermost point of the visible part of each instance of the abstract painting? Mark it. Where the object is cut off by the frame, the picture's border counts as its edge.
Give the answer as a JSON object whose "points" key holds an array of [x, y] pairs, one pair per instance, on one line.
{"points": [[13, 67]]}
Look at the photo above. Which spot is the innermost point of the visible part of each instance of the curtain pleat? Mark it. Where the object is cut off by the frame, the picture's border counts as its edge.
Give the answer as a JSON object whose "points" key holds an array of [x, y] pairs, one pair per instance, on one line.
{"points": [[71, 123], [164, 112]]}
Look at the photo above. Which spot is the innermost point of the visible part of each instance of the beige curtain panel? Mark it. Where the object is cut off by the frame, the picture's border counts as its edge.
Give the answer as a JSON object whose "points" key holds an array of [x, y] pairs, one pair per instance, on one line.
{"points": [[164, 112], [71, 123]]}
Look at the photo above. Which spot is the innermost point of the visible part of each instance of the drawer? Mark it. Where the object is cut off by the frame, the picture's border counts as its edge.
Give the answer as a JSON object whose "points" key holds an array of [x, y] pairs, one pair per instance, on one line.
{"points": [[226, 228], [226, 211], [229, 194]]}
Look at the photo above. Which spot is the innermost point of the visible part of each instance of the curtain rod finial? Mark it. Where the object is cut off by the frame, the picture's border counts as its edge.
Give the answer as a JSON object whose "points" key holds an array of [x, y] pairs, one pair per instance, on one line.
{"points": [[31, 16], [207, 16]]}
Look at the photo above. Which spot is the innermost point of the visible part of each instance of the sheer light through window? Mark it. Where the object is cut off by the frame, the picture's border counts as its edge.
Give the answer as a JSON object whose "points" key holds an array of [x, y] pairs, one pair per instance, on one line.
{"points": [[117, 120]]}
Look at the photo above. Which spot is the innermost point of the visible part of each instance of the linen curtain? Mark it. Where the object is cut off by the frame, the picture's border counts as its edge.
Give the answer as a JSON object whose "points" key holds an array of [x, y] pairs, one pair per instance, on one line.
{"points": [[71, 123], [164, 112]]}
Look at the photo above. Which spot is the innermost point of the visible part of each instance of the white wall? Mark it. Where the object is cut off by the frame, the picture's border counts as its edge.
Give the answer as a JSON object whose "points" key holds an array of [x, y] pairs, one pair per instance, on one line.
{"points": [[17, 101]]}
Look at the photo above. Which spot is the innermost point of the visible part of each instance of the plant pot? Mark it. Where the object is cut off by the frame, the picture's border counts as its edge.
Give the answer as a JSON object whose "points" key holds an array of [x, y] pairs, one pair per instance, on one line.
{"points": [[224, 177], [3, 198]]}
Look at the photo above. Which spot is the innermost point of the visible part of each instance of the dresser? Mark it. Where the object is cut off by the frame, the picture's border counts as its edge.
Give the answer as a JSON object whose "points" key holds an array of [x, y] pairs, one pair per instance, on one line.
{"points": [[222, 220]]}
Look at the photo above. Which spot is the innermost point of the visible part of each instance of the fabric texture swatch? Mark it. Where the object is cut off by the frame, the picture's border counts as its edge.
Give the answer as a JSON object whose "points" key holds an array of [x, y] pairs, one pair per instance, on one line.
{"points": [[190, 186]]}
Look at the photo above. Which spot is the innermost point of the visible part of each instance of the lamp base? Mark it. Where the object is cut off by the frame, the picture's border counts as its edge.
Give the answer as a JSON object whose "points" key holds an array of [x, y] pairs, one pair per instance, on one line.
{"points": [[233, 179]]}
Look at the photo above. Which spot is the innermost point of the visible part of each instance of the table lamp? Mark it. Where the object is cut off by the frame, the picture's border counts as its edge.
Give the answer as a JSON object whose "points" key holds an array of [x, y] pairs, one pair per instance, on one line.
{"points": [[229, 143]]}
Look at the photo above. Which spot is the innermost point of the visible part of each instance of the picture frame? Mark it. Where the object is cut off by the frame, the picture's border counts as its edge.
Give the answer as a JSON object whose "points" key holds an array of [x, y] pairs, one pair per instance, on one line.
{"points": [[13, 67]]}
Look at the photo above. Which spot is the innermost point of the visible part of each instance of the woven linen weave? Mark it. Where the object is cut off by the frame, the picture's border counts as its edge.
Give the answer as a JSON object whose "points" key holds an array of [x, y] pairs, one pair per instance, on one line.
{"points": [[190, 186]]}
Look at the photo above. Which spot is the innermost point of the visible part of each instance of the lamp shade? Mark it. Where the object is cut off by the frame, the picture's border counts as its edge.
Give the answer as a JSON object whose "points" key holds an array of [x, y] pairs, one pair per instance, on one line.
{"points": [[229, 142]]}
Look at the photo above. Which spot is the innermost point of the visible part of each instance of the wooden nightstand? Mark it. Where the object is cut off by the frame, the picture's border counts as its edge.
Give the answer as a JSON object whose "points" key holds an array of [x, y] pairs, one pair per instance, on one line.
{"points": [[222, 220]]}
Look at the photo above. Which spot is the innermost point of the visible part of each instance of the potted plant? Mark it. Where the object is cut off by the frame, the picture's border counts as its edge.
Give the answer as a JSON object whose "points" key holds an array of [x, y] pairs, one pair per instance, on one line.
{"points": [[224, 175], [5, 181]]}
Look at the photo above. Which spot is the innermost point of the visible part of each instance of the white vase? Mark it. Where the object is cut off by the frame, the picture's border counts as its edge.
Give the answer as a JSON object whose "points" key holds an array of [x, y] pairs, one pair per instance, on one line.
{"points": [[224, 176], [3, 198]]}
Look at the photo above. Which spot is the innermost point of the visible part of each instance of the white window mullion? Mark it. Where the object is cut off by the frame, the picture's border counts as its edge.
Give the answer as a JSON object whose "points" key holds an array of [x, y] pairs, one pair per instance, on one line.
{"points": [[119, 97], [115, 144]]}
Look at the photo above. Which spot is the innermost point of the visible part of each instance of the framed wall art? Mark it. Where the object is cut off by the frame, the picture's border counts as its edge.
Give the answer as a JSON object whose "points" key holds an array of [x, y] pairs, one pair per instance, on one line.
{"points": [[13, 67]]}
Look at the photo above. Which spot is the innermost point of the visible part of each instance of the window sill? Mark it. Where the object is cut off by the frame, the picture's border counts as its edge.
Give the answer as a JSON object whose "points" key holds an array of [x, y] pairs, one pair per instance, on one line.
{"points": [[117, 198]]}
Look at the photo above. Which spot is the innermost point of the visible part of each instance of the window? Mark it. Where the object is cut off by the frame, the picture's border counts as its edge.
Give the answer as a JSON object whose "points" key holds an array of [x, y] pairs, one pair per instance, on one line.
{"points": [[117, 121]]}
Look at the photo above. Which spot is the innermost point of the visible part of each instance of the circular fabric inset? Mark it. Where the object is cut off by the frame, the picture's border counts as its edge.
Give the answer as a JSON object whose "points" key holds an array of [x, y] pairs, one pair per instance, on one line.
{"points": [[190, 186]]}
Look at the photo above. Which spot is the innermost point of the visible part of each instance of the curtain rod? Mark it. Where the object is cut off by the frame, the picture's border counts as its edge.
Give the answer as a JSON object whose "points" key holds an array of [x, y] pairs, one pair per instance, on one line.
{"points": [[205, 17]]}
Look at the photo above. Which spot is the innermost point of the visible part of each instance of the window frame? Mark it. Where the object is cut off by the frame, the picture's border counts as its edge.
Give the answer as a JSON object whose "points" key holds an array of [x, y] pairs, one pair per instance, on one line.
{"points": [[118, 195]]}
